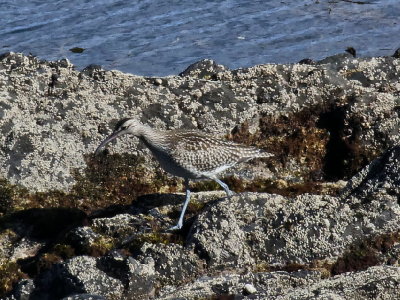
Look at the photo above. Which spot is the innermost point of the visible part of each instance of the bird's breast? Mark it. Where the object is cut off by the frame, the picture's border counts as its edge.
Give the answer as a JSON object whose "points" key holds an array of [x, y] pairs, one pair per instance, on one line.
{"points": [[170, 165]]}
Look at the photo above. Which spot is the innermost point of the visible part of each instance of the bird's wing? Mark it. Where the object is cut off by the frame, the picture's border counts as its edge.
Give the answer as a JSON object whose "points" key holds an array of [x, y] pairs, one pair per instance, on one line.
{"points": [[205, 153]]}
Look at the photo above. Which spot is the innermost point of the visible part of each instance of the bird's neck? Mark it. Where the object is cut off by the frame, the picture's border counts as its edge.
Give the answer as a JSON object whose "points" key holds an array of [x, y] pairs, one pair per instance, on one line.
{"points": [[154, 139]]}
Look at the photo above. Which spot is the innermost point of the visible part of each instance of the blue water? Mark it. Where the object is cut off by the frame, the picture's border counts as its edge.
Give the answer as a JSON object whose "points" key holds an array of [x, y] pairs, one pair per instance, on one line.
{"points": [[156, 38]]}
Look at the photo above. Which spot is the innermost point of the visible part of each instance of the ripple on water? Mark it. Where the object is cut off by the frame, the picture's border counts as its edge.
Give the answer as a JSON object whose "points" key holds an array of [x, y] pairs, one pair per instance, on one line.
{"points": [[164, 37]]}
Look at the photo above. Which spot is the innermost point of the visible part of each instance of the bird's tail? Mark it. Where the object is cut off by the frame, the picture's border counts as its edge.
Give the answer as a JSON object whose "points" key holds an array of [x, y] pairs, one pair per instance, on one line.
{"points": [[263, 154], [255, 153]]}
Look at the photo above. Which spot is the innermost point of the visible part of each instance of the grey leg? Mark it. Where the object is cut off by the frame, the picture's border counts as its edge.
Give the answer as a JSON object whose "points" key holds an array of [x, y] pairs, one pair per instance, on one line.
{"points": [[224, 186], [180, 222]]}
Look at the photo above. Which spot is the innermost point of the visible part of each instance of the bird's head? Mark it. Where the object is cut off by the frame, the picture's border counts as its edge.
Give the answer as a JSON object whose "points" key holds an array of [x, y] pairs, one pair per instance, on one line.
{"points": [[123, 126]]}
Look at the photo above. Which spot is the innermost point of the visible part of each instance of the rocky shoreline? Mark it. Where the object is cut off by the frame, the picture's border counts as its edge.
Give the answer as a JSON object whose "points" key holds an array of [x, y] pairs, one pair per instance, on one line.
{"points": [[319, 220]]}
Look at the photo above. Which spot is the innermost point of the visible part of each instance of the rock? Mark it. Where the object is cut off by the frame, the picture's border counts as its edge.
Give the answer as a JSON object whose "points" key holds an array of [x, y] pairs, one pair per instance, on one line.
{"points": [[119, 226], [352, 51], [77, 275], [349, 104], [173, 263], [158, 81], [306, 61], [250, 228], [375, 283], [268, 285], [379, 179], [113, 276], [84, 297], [81, 238], [24, 289], [25, 248], [396, 54], [249, 289], [137, 278], [204, 69], [330, 123], [302, 241]]}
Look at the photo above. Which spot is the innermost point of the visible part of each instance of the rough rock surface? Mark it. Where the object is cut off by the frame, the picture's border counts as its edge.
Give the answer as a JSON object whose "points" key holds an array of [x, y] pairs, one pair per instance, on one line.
{"points": [[376, 283], [51, 115], [74, 227], [251, 228]]}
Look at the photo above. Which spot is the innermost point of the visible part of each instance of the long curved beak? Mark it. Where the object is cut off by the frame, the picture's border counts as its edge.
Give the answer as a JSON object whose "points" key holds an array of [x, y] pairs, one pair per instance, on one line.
{"points": [[113, 136]]}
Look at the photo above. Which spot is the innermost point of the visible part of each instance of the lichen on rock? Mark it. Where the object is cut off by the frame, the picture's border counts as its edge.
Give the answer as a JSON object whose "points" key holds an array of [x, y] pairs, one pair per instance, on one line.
{"points": [[317, 220]]}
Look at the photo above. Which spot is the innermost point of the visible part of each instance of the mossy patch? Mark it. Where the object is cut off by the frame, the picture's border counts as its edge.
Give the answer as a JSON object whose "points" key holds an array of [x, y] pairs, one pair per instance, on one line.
{"points": [[365, 254], [11, 196], [101, 246], [345, 153], [8, 236], [273, 186], [288, 267], [295, 137], [360, 256], [10, 273], [310, 146], [108, 180], [118, 179], [316, 144], [61, 252], [220, 297], [261, 267], [195, 206], [291, 138], [207, 185], [45, 262], [64, 251], [6, 196], [153, 238]]}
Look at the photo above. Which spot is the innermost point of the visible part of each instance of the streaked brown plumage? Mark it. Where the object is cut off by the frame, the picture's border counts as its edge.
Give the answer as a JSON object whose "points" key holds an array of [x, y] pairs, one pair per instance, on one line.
{"points": [[190, 154], [205, 154]]}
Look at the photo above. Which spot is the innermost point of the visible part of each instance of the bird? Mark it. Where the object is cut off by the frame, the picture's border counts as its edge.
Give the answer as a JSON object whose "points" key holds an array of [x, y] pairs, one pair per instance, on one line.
{"points": [[187, 153]]}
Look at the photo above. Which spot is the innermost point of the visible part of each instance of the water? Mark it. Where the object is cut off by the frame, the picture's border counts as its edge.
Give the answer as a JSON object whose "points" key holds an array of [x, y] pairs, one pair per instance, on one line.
{"points": [[156, 38]]}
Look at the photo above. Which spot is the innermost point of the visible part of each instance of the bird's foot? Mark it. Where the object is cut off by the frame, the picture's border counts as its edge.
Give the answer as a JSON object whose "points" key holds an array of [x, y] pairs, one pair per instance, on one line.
{"points": [[175, 228], [230, 193]]}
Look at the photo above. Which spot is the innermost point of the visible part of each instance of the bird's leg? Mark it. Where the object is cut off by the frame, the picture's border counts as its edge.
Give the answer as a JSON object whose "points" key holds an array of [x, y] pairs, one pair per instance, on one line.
{"points": [[224, 186], [180, 222]]}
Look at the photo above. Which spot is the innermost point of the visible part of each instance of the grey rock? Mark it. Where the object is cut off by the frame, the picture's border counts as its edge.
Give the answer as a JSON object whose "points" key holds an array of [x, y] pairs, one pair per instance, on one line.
{"points": [[52, 117], [375, 283], [138, 278], [47, 134], [84, 297], [25, 248], [77, 275], [379, 178], [380, 282], [396, 54], [81, 238], [45, 137], [120, 226], [82, 272], [173, 263], [142, 283], [237, 237], [251, 227], [249, 289], [205, 68], [268, 285], [24, 289], [113, 276]]}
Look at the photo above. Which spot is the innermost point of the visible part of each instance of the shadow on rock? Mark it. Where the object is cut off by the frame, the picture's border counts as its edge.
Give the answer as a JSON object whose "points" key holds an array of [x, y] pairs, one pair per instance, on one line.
{"points": [[43, 223]]}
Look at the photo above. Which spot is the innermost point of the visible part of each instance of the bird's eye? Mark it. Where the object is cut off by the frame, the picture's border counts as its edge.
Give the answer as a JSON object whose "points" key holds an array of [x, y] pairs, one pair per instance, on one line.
{"points": [[124, 127]]}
